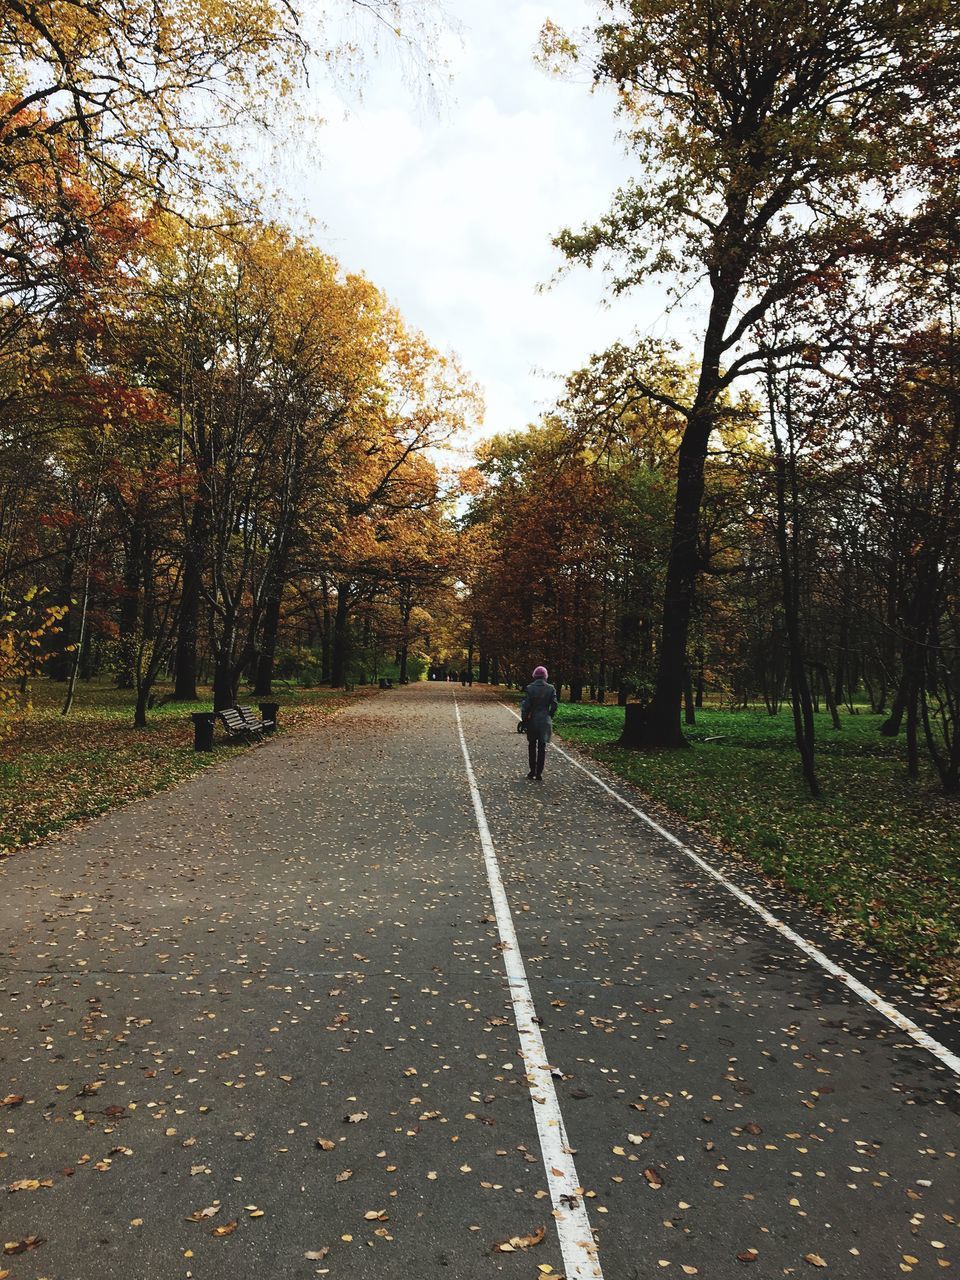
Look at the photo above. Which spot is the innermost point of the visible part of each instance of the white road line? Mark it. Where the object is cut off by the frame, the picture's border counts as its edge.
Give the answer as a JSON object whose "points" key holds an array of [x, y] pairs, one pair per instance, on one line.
{"points": [[940, 1051], [577, 1245]]}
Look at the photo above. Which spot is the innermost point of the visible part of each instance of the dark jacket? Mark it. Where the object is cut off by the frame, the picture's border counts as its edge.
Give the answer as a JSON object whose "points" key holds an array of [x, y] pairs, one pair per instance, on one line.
{"points": [[538, 708]]}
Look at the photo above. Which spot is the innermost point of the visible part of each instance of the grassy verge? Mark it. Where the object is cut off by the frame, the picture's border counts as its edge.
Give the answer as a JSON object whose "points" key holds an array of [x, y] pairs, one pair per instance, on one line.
{"points": [[54, 772], [878, 853]]}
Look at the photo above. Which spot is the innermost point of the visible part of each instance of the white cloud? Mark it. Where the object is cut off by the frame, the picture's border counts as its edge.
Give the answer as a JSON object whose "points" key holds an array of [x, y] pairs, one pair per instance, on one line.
{"points": [[452, 213]]}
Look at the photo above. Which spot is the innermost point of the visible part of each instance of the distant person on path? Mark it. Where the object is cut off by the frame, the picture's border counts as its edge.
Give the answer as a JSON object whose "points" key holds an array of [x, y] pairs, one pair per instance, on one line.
{"points": [[537, 710]]}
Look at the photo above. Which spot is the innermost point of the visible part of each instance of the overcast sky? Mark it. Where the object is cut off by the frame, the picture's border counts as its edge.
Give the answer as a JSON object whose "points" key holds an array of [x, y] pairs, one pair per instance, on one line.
{"points": [[450, 210]]}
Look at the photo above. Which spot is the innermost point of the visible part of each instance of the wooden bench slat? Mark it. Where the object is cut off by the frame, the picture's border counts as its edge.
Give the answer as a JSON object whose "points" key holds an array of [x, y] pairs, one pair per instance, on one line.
{"points": [[244, 722]]}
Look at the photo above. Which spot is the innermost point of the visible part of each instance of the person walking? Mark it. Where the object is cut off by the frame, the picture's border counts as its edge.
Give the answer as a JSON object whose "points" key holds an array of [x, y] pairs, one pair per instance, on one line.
{"points": [[537, 710]]}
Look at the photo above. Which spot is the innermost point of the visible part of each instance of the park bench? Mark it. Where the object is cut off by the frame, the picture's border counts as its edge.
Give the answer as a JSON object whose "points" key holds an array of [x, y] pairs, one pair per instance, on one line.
{"points": [[254, 723], [238, 726], [239, 722]]}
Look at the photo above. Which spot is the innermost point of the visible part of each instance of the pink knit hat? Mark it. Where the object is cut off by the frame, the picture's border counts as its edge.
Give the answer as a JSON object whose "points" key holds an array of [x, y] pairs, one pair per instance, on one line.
{"points": [[540, 673]]}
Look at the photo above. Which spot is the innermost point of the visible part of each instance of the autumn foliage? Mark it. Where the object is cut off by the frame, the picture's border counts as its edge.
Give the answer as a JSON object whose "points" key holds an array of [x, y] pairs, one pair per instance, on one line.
{"points": [[217, 447]]}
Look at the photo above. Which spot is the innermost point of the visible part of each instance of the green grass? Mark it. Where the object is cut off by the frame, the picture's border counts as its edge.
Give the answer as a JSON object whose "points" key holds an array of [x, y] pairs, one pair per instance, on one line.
{"points": [[56, 771], [879, 852]]}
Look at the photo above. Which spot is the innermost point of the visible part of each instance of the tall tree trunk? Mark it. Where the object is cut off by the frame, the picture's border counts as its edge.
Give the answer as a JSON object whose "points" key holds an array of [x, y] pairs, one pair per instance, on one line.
{"points": [[339, 657], [87, 569], [406, 608], [828, 695], [185, 656], [326, 634], [689, 712], [891, 726], [225, 670], [800, 699], [913, 715], [130, 603], [58, 665], [263, 681], [659, 725], [140, 710]]}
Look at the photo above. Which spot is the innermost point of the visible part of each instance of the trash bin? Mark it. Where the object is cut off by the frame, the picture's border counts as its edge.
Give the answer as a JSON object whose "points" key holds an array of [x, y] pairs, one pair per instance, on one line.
{"points": [[203, 722]]}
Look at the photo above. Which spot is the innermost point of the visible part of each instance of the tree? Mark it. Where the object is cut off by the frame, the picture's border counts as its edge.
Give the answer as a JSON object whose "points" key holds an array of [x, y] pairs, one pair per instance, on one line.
{"points": [[764, 130], [24, 628]]}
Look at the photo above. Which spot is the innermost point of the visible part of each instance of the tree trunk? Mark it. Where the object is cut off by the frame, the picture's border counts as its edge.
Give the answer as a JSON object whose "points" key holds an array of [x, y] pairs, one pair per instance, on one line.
{"points": [[689, 712], [891, 726], [661, 727], [800, 700], [224, 682], [913, 748], [406, 609], [263, 682], [636, 727], [185, 656], [339, 657], [828, 695], [58, 665], [326, 645], [87, 571], [130, 603]]}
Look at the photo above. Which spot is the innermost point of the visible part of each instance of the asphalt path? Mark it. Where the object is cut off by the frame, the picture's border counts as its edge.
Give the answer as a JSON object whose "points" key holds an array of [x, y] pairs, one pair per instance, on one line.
{"points": [[330, 1009]]}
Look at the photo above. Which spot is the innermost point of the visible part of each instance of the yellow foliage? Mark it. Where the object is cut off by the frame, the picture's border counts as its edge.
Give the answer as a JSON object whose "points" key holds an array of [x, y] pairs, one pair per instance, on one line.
{"points": [[23, 631]]}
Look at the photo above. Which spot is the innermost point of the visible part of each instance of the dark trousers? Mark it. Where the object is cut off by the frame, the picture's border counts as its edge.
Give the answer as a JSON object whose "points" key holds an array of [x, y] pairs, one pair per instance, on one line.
{"points": [[536, 750]]}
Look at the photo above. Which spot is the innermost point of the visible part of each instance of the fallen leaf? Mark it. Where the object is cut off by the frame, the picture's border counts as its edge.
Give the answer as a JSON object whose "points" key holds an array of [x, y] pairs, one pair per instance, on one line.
{"points": [[12, 1100], [814, 1260], [342, 1177], [225, 1229], [24, 1245], [654, 1179], [748, 1255], [24, 1184], [356, 1117], [325, 1144], [316, 1255], [520, 1242], [201, 1215], [376, 1215]]}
